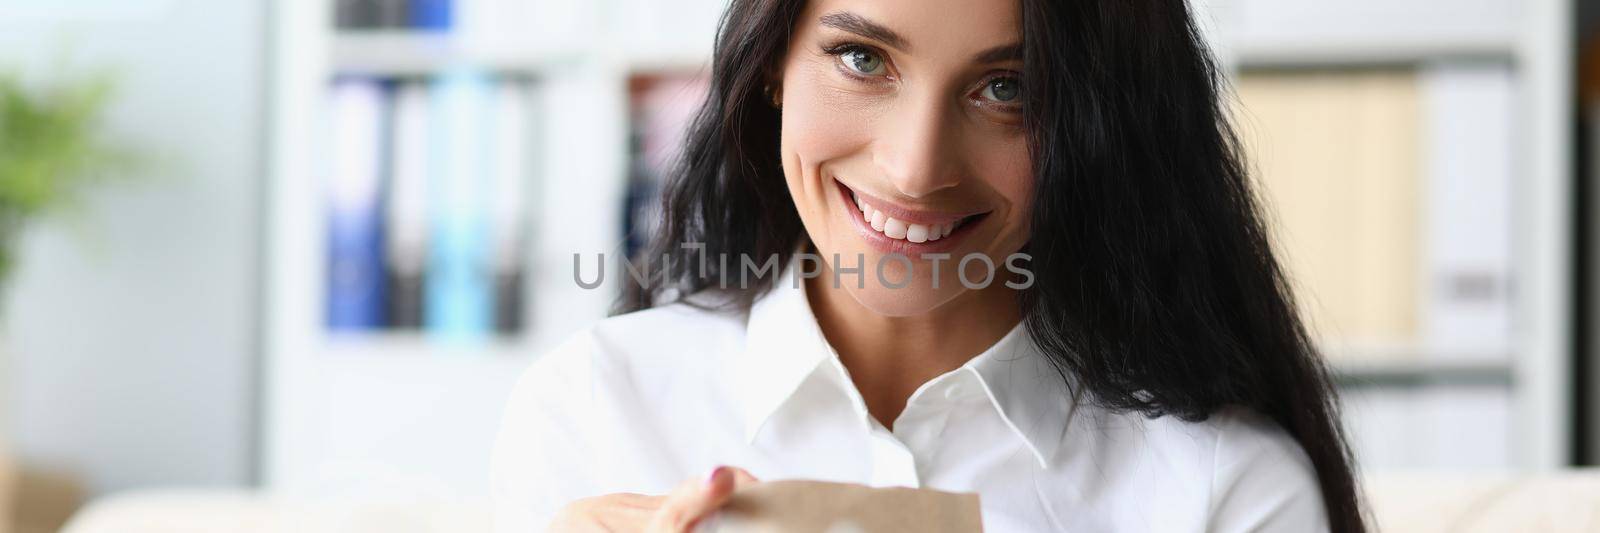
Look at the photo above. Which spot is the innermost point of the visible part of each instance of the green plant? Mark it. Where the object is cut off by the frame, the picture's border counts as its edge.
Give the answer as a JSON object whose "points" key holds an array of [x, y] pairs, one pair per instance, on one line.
{"points": [[52, 149]]}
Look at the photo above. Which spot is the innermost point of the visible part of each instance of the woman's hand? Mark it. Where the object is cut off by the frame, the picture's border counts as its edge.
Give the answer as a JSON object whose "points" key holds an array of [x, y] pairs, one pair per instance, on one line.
{"points": [[678, 512]]}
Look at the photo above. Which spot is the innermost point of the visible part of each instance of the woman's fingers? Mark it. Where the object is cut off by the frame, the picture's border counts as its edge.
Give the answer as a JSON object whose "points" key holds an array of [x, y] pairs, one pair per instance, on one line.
{"points": [[742, 477], [678, 512], [612, 512], [696, 499]]}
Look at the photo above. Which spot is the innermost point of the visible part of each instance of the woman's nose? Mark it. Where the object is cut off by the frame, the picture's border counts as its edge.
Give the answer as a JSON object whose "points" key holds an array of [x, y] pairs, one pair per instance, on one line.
{"points": [[917, 147]]}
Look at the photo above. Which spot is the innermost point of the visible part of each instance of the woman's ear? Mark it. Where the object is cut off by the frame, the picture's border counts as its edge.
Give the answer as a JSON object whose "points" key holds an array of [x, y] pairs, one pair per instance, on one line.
{"points": [[775, 95], [773, 88]]}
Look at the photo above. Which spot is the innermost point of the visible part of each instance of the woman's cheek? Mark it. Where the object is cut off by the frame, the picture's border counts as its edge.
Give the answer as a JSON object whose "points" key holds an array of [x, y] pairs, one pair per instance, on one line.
{"points": [[823, 124], [1011, 175], [817, 132]]}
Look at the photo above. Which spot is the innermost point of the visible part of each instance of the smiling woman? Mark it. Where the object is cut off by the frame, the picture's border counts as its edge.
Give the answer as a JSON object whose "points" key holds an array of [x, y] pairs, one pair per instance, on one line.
{"points": [[1149, 374]]}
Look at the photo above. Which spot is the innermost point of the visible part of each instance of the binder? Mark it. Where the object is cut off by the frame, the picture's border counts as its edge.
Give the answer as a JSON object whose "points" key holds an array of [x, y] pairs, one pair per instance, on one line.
{"points": [[407, 213], [458, 289], [354, 268], [392, 14], [434, 15], [662, 108], [1469, 119], [1337, 156], [355, 14], [508, 204]]}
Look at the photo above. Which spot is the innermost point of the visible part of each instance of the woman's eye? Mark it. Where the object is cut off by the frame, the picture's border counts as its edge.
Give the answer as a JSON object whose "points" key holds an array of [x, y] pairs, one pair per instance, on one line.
{"points": [[863, 62], [1004, 90]]}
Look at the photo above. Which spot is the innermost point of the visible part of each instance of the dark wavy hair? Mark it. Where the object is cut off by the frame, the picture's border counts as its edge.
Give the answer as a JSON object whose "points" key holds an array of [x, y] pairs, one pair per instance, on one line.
{"points": [[1156, 284]]}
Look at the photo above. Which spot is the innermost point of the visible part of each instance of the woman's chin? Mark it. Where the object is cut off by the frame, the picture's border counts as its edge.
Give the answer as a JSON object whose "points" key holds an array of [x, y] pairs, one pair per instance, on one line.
{"points": [[901, 302], [881, 282]]}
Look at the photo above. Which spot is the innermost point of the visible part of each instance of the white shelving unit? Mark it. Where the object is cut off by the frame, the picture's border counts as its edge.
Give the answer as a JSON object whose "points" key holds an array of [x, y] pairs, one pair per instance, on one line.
{"points": [[1364, 32], [398, 415], [1532, 37], [400, 53]]}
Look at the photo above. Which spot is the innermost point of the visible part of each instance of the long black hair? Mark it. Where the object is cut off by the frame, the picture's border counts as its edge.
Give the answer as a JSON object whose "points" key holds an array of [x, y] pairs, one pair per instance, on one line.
{"points": [[1156, 286]]}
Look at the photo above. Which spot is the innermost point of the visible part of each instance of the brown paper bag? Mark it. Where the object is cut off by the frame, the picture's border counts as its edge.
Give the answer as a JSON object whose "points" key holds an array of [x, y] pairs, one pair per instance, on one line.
{"points": [[823, 507]]}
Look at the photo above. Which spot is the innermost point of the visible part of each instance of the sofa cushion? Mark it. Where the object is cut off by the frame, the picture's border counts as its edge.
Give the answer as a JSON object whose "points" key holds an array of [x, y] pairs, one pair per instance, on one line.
{"points": [[1564, 502], [245, 511]]}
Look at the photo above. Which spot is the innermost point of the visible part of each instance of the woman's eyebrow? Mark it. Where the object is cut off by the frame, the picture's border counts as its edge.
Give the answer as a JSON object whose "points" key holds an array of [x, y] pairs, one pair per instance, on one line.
{"points": [[859, 25], [1004, 52], [865, 27]]}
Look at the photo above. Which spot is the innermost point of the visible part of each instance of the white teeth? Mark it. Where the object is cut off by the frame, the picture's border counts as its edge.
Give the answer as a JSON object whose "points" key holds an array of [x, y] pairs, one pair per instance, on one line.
{"points": [[901, 230], [895, 229], [917, 233]]}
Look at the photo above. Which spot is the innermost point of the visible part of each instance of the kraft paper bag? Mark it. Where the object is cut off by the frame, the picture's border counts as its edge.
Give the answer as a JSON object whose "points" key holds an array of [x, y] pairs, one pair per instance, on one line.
{"points": [[824, 507]]}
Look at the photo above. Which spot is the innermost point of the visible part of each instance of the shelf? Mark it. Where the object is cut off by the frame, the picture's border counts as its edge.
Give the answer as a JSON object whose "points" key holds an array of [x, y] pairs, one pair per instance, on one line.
{"points": [[408, 53], [668, 64], [1401, 364], [1423, 373], [391, 346], [1303, 33], [1275, 53]]}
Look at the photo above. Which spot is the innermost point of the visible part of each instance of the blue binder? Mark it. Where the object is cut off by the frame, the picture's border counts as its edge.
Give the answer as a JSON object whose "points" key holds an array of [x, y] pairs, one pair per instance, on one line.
{"points": [[458, 301], [436, 15], [355, 273]]}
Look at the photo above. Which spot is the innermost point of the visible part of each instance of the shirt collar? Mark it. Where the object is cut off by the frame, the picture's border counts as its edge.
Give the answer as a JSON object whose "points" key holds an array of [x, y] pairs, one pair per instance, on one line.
{"points": [[784, 345], [1031, 395]]}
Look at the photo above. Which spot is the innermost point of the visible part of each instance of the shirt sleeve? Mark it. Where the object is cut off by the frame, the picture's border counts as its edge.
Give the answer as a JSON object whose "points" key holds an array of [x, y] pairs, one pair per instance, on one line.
{"points": [[1263, 480], [540, 454]]}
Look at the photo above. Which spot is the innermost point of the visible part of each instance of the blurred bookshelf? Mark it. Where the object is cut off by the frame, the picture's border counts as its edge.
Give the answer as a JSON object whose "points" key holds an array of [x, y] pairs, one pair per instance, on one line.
{"points": [[385, 408], [1416, 159], [1304, 33], [398, 412], [403, 53]]}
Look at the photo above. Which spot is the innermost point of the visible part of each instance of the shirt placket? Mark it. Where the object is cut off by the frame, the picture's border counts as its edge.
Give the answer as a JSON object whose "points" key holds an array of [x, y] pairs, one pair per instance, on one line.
{"points": [[900, 456], [926, 416], [893, 464]]}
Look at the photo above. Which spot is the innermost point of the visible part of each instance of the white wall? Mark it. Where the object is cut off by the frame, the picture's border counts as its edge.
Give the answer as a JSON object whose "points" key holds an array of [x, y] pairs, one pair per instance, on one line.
{"points": [[130, 331]]}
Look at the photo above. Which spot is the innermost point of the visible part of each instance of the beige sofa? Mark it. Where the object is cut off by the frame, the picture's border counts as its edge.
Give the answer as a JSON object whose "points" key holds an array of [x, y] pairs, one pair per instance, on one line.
{"points": [[1567, 502], [243, 511], [35, 500]]}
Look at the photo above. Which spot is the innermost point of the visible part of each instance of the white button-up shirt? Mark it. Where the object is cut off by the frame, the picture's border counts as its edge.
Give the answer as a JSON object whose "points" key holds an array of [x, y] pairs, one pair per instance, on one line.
{"points": [[641, 402]]}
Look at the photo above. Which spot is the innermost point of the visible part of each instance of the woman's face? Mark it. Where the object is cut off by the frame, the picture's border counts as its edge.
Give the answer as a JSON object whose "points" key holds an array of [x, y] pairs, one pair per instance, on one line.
{"points": [[902, 134]]}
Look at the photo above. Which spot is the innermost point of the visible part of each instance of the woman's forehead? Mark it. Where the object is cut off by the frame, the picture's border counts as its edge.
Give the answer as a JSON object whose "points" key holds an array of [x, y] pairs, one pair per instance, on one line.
{"points": [[923, 26]]}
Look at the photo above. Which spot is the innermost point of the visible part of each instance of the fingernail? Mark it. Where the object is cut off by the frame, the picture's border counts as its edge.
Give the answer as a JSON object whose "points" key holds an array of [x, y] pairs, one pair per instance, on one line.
{"points": [[711, 478]]}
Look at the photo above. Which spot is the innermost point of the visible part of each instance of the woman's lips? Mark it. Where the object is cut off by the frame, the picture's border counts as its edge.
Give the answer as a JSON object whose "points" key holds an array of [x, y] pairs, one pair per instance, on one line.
{"points": [[892, 228]]}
